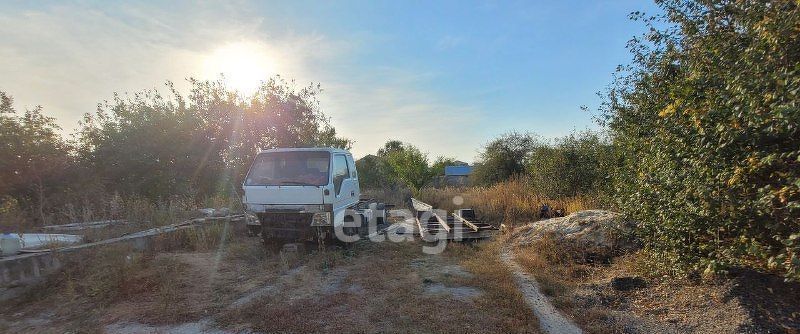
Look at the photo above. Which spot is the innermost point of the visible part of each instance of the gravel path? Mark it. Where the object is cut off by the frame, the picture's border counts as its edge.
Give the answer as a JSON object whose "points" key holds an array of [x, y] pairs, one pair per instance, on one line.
{"points": [[550, 320]]}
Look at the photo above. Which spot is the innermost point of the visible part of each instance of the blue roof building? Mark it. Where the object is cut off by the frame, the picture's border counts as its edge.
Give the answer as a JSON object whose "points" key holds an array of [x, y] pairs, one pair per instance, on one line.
{"points": [[457, 170]]}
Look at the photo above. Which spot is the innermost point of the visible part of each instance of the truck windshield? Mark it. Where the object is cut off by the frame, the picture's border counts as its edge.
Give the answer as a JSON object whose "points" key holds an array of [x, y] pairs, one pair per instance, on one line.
{"points": [[300, 168]]}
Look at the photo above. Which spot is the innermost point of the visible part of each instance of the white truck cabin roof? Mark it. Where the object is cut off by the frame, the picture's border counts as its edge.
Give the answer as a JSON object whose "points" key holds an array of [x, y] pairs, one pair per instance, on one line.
{"points": [[306, 149]]}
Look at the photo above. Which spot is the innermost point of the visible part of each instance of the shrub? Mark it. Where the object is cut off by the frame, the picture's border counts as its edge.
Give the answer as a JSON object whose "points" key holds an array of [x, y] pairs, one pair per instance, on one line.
{"points": [[399, 165], [707, 121], [580, 163], [504, 157]]}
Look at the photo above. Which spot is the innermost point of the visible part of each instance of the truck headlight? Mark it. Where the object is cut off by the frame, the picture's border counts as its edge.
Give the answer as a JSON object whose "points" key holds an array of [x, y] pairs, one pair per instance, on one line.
{"points": [[321, 219]]}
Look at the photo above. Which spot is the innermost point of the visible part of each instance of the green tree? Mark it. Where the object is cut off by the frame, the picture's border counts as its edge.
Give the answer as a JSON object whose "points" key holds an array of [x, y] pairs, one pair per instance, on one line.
{"points": [[580, 163], [372, 173], [398, 163], [706, 121], [33, 158], [390, 146], [409, 166], [438, 165], [402, 163], [200, 144], [504, 157]]}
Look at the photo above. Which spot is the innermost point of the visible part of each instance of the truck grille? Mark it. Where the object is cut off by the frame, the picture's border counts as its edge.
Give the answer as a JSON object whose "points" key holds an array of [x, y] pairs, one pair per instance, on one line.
{"points": [[291, 220]]}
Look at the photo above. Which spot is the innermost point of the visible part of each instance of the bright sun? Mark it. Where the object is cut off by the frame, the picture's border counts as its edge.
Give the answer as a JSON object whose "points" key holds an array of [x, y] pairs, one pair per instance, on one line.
{"points": [[244, 65]]}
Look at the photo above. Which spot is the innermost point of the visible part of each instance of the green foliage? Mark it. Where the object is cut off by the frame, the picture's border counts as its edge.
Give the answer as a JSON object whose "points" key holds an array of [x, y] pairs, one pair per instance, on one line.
{"points": [[706, 119], [200, 144], [152, 146], [373, 173], [390, 146], [438, 165], [33, 157], [578, 164], [504, 157], [399, 164], [409, 166]]}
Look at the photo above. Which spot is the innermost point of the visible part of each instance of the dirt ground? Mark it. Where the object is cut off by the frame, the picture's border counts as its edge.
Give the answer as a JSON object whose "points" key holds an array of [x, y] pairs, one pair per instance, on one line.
{"points": [[220, 282], [241, 288], [612, 298]]}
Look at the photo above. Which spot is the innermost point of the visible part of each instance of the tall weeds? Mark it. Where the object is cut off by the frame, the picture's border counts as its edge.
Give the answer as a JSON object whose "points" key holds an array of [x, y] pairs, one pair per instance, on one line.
{"points": [[510, 202]]}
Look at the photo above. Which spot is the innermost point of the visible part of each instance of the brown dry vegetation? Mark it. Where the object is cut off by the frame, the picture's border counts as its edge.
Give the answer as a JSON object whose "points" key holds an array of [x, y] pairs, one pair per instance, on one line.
{"points": [[743, 302], [507, 202], [219, 277], [140, 213], [230, 280], [91, 286], [386, 287], [580, 285]]}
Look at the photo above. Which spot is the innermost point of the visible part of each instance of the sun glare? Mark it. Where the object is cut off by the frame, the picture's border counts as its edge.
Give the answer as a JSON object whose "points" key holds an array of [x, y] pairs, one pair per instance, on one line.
{"points": [[243, 64]]}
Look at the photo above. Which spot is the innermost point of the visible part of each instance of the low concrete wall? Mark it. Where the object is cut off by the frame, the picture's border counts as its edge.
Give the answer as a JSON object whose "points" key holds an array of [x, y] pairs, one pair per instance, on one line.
{"points": [[24, 269]]}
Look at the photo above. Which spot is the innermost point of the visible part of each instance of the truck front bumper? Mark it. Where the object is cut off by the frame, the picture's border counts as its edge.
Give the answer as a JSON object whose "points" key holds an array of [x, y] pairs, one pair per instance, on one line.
{"points": [[286, 225], [293, 222]]}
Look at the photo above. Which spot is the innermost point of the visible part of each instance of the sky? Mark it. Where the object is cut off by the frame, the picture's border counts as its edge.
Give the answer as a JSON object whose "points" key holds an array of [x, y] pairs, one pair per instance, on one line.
{"points": [[446, 76]]}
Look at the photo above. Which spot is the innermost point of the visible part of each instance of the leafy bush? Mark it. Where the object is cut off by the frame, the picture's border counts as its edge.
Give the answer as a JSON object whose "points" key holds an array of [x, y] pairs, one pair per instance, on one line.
{"points": [[409, 166], [34, 159], [580, 163], [372, 173], [707, 119], [202, 143], [504, 157], [151, 146], [398, 164]]}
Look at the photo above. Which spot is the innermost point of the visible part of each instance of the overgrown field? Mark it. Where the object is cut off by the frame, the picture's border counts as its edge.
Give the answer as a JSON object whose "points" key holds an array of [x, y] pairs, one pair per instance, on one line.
{"points": [[218, 278], [511, 202]]}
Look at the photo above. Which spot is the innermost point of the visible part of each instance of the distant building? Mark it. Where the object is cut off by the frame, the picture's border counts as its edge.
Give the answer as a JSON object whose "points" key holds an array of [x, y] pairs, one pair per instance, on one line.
{"points": [[455, 175], [462, 170]]}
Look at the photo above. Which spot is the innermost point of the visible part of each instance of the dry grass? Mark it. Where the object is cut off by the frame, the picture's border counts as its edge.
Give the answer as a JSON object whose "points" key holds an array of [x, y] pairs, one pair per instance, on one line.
{"points": [[155, 281], [85, 287], [380, 287], [560, 271], [509, 202], [141, 212], [199, 274], [553, 266], [494, 277], [583, 291], [209, 236]]}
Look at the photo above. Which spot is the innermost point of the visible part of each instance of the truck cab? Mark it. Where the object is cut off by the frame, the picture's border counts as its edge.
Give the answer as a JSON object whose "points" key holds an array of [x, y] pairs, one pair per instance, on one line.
{"points": [[301, 193]]}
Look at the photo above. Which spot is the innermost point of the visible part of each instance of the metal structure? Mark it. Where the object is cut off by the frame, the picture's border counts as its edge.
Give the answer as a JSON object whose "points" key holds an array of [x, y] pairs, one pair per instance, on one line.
{"points": [[462, 225]]}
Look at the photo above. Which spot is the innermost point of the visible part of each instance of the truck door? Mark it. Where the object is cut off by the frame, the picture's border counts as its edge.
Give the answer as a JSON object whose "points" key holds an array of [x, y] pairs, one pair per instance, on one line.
{"points": [[354, 176], [343, 187]]}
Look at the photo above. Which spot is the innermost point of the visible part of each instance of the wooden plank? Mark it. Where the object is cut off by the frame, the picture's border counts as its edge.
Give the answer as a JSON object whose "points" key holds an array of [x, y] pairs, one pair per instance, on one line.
{"points": [[422, 230], [420, 205], [466, 222], [442, 222]]}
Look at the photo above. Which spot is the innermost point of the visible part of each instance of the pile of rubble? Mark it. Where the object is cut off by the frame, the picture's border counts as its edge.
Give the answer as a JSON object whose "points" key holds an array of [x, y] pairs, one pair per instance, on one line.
{"points": [[594, 231]]}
